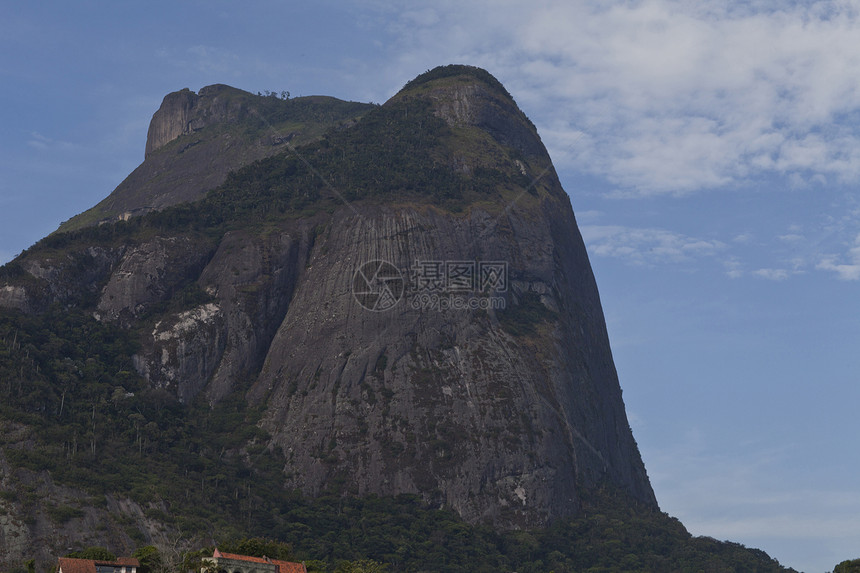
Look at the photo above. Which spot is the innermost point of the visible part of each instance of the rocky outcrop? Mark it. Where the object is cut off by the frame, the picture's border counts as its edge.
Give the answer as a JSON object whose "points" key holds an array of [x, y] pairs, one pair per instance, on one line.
{"points": [[184, 112], [249, 281], [148, 274], [45, 278], [254, 281], [14, 297], [184, 350], [478, 105], [171, 120]]}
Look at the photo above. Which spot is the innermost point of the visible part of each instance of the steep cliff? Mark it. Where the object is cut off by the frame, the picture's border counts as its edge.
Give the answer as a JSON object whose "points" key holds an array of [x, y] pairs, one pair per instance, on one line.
{"points": [[173, 118], [438, 398], [402, 304]]}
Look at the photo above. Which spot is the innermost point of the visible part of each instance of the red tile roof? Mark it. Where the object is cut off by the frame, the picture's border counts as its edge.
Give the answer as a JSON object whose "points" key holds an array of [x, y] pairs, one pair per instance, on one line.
{"points": [[70, 565], [283, 566]]}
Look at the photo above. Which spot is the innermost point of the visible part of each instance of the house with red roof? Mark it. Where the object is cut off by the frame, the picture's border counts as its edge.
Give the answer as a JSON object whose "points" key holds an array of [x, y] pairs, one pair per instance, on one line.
{"points": [[232, 563], [120, 565]]}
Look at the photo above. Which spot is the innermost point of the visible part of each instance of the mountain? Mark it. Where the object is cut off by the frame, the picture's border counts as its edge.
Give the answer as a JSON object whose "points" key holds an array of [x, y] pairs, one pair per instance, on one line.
{"points": [[297, 300]]}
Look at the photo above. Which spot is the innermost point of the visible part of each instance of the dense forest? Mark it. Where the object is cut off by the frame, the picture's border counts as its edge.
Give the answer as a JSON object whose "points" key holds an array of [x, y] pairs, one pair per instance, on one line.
{"points": [[336, 534]]}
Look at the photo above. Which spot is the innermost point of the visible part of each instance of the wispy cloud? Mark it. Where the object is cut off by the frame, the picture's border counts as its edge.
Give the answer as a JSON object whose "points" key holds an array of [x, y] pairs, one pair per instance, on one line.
{"points": [[846, 267], [646, 246], [773, 274], [777, 259], [39, 141]]}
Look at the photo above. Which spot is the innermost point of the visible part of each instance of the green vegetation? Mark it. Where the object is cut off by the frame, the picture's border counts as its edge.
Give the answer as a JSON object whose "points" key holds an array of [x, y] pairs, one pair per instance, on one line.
{"points": [[456, 70], [614, 535], [149, 558], [70, 379], [63, 513], [258, 547], [362, 566], [95, 553], [523, 318], [390, 154], [333, 534], [28, 567], [852, 566]]}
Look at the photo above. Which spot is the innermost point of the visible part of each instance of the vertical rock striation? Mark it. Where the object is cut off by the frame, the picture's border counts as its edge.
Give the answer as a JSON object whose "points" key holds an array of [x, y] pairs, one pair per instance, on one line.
{"points": [[171, 120]]}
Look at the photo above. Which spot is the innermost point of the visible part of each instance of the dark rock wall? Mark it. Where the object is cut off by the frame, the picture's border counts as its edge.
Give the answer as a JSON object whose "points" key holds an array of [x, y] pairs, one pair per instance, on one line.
{"points": [[508, 429]]}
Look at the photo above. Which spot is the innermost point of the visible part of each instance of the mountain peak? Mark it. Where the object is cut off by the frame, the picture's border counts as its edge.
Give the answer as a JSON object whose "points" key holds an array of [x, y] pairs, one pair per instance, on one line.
{"points": [[468, 96], [457, 72], [184, 112]]}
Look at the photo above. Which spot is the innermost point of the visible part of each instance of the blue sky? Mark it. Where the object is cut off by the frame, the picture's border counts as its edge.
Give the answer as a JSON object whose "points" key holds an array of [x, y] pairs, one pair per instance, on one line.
{"points": [[711, 151]]}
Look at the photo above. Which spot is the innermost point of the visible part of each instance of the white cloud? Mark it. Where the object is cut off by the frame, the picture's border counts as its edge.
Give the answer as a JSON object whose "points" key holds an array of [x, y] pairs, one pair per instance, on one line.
{"points": [[772, 274], [733, 268], [791, 238], [666, 96], [39, 141], [644, 245], [849, 270]]}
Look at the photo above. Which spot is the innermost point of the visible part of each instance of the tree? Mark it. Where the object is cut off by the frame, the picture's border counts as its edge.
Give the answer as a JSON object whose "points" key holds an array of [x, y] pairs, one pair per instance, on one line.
{"points": [[150, 559], [259, 547], [173, 552], [852, 566], [95, 553], [362, 566]]}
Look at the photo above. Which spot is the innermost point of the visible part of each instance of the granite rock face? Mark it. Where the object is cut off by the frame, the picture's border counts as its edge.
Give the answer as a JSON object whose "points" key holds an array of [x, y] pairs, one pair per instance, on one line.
{"points": [[173, 118], [447, 403], [208, 348], [148, 274], [393, 346]]}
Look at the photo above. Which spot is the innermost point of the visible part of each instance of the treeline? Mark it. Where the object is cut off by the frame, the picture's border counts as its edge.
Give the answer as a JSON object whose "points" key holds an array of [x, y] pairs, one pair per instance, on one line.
{"points": [[336, 534]]}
